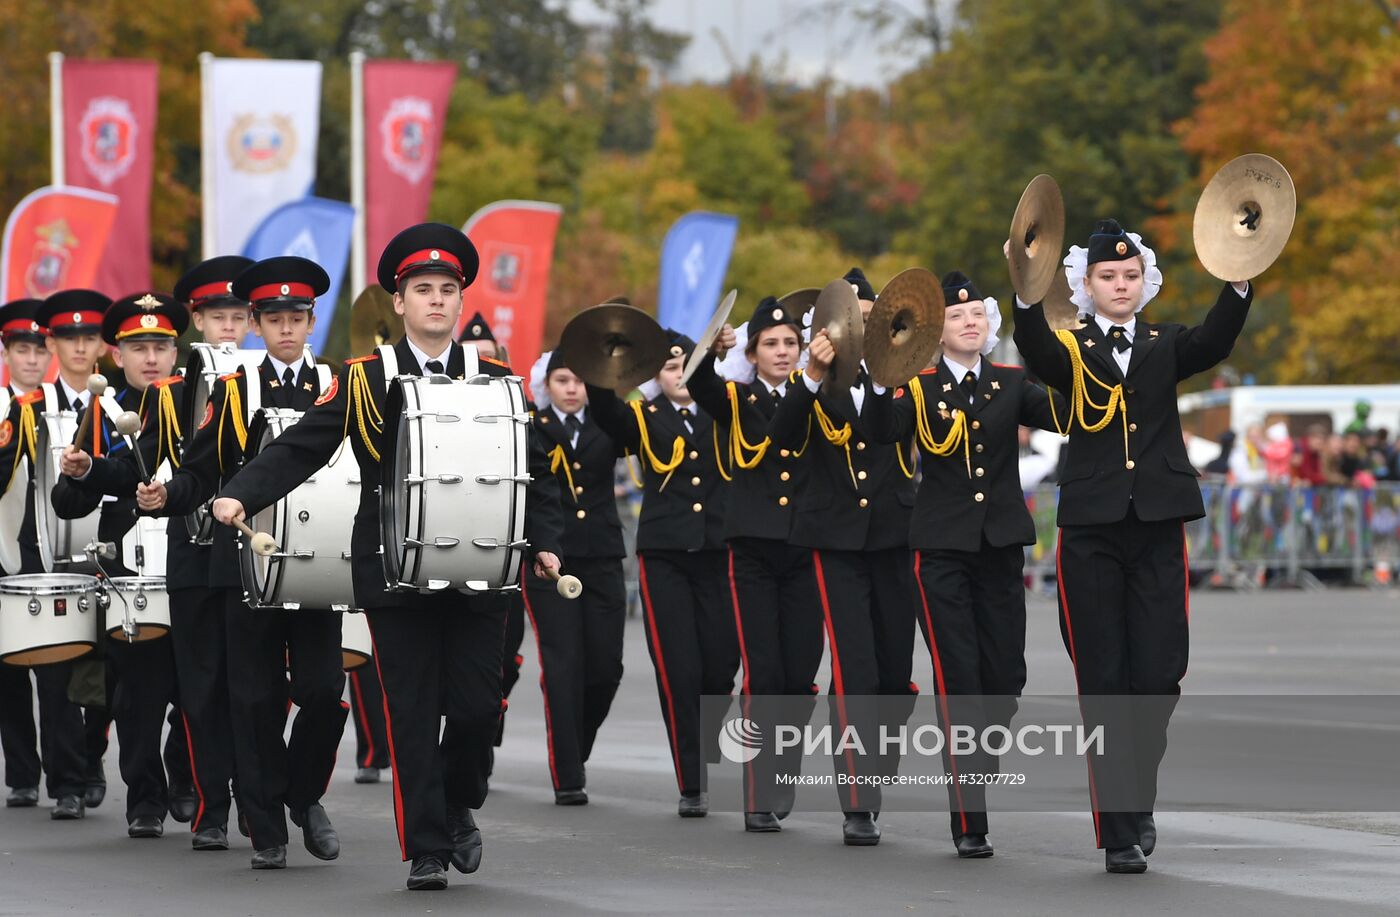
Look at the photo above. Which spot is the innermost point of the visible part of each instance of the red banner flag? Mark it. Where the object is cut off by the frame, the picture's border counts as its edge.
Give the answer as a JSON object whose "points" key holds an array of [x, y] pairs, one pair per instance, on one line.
{"points": [[54, 240], [405, 108], [109, 129], [516, 242]]}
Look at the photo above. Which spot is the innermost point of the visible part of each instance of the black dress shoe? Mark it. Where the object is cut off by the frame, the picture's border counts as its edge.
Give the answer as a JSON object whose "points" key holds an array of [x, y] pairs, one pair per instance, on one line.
{"points": [[761, 822], [972, 846], [1124, 859], [366, 775], [215, 838], [694, 805], [578, 797], [184, 803], [1147, 833], [68, 808], [94, 794], [317, 832], [271, 858], [466, 840], [145, 826], [22, 797], [782, 808], [428, 874], [860, 830]]}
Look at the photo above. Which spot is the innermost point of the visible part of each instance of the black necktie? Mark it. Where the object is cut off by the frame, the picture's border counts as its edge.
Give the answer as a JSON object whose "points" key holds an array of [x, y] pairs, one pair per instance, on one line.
{"points": [[685, 418], [289, 382], [861, 376], [1119, 335], [575, 425], [777, 395], [435, 366], [969, 384], [78, 404]]}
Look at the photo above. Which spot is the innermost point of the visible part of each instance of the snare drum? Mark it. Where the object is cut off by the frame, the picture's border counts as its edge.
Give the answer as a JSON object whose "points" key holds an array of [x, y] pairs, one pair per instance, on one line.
{"points": [[47, 617], [141, 600], [356, 647], [61, 541], [311, 526], [207, 363], [455, 473]]}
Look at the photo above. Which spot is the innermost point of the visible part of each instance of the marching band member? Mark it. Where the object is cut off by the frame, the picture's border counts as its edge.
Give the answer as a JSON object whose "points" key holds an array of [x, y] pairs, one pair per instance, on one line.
{"points": [[681, 559], [580, 642], [274, 777], [432, 658], [772, 588], [857, 530], [1127, 491], [969, 528], [143, 328], [61, 752]]}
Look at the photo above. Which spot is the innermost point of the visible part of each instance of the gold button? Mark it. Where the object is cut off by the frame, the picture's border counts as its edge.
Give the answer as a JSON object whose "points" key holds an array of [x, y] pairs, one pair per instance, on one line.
{"points": [[578, 489], [979, 497], [577, 466], [977, 425], [784, 453], [782, 501], [695, 482], [697, 507], [860, 446], [1131, 465], [1131, 390], [861, 475], [581, 513], [864, 502], [784, 476], [1132, 428], [694, 455], [979, 447], [980, 472]]}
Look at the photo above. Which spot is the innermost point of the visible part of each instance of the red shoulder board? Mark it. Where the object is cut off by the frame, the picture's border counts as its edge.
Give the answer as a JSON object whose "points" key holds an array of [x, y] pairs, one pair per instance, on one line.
{"points": [[899, 392], [208, 415], [329, 393], [493, 360], [230, 377], [932, 370], [7, 433], [1006, 366], [168, 380], [363, 359], [31, 397]]}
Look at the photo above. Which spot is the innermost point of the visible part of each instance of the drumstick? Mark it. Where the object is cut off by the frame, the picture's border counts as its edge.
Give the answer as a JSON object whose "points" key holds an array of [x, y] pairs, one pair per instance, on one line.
{"points": [[96, 386], [260, 542], [128, 422], [567, 585]]}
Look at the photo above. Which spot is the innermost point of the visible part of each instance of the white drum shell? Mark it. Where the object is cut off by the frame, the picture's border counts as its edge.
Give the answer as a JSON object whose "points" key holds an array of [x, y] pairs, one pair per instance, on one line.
{"points": [[47, 617], [61, 541], [356, 647], [144, 601]]}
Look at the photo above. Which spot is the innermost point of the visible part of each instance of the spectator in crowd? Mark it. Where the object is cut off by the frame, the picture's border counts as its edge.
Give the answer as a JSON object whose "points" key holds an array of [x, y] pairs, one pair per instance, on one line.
{"points": [[1280, 459], [1361, 422], [1247, 465]]}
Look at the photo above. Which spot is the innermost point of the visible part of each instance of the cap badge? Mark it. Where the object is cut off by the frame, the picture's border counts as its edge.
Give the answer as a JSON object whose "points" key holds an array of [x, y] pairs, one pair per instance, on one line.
{"points": [[148, 302], [962, 295], [33, 326], [476, 329], [434, 255], [777, 315], [286, 289], [1121, 248], [77, 318], [149, 321], [677, 350]]}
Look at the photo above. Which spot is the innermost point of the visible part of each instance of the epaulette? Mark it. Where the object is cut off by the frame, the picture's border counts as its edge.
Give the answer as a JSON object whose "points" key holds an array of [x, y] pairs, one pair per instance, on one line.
{"points": [[499, 363], [168, 380], [930, 370], [231, 376], [367, 357], [1006, 366], [30, 397]]}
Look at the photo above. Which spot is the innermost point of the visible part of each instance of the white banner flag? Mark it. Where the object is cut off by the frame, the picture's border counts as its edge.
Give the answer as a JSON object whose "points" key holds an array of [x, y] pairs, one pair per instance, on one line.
{"points": [[261, 119]]}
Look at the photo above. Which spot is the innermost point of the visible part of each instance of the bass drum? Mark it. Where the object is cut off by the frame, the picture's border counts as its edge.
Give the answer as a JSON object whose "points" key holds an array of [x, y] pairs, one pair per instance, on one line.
{"points": [[61, 541], [455, 473], [311, 526], [47, 617], [356, 647]]}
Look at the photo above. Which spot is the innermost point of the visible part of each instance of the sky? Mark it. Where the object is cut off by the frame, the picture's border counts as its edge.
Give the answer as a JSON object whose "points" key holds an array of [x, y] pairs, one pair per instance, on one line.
{"points": [[812, 44]]}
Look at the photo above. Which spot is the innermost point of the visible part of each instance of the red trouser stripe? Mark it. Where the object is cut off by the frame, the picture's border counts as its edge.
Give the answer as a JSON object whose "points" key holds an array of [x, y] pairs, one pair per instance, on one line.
{"points": [[194, 772], [393, 754], [744, 687], [668, 706], [942, 691]]}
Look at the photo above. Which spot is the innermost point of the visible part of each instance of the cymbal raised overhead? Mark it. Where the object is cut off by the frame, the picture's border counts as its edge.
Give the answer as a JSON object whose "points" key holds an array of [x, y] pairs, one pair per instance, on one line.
{"points": [[614, 346], [707, 338], [373, 320], [798, 302], [904, 327], [837, 309], [1244, 217], [1060, 311], [1037, 238]]}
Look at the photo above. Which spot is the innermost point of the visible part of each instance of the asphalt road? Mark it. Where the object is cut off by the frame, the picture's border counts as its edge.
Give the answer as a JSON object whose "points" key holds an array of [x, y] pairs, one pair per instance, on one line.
{"points": [[627, 852]]}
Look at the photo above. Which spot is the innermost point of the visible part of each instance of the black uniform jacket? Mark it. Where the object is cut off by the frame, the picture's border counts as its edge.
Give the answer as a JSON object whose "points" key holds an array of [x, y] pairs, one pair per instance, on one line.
{"points": [[584, 475]]}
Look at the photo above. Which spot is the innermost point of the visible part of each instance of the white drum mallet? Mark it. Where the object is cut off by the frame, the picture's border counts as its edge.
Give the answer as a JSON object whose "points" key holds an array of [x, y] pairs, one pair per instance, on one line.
{"points": [[568, 585], [261, 542]]}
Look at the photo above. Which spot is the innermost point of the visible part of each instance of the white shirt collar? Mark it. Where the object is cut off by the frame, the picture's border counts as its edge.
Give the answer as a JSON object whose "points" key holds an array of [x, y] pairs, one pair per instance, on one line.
{"points": [[780, 388], [561, 414], [280, 368], [71, 393], [680, 407], [1105, 324], [958, 370], [423, 358]]}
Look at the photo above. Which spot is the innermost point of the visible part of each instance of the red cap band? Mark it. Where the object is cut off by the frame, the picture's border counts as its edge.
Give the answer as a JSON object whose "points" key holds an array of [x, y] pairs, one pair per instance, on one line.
{"points": [[221, 288], [276, 290], [146, 323], [22, 326], [69, 319], [428, 256]]}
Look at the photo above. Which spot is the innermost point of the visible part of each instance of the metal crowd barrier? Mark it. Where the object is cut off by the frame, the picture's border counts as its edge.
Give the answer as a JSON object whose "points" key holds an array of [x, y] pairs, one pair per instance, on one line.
{"points": [[1254, 532]]}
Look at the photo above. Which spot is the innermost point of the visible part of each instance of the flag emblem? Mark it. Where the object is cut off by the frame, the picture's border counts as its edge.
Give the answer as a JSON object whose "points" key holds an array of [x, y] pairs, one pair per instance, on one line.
{"points": [[107, 132], [261, 144], [405, 130]]}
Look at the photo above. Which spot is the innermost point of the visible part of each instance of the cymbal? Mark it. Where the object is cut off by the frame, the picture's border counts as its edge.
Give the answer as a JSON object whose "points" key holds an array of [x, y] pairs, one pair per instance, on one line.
{"points": [[904, 328], [1060, 310], [707, 337], [614, 346], [373, 320], [1037, 237], [837, 309], [798, 302], [1244, 217]]}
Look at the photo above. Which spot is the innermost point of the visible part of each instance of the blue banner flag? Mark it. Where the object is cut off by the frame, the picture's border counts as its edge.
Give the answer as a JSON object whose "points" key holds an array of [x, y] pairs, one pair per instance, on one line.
{"points": [[693, 261], [318, 230]]}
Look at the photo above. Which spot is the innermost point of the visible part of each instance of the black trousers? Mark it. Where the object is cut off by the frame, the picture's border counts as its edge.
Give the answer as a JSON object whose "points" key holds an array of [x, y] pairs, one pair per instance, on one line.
{"points": [[198, 635], [437, 656], [61, 754], [367, 712], [272, 773], [511, 660], [1124, 609], [779, 620], [973, 616], [867, 605], [143, 686], [694, 648], [580, 646]]}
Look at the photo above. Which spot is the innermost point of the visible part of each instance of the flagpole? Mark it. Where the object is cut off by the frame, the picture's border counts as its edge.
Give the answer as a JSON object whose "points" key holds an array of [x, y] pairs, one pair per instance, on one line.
{"points": [[358, 259], [56, 148], [206, 156]]}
